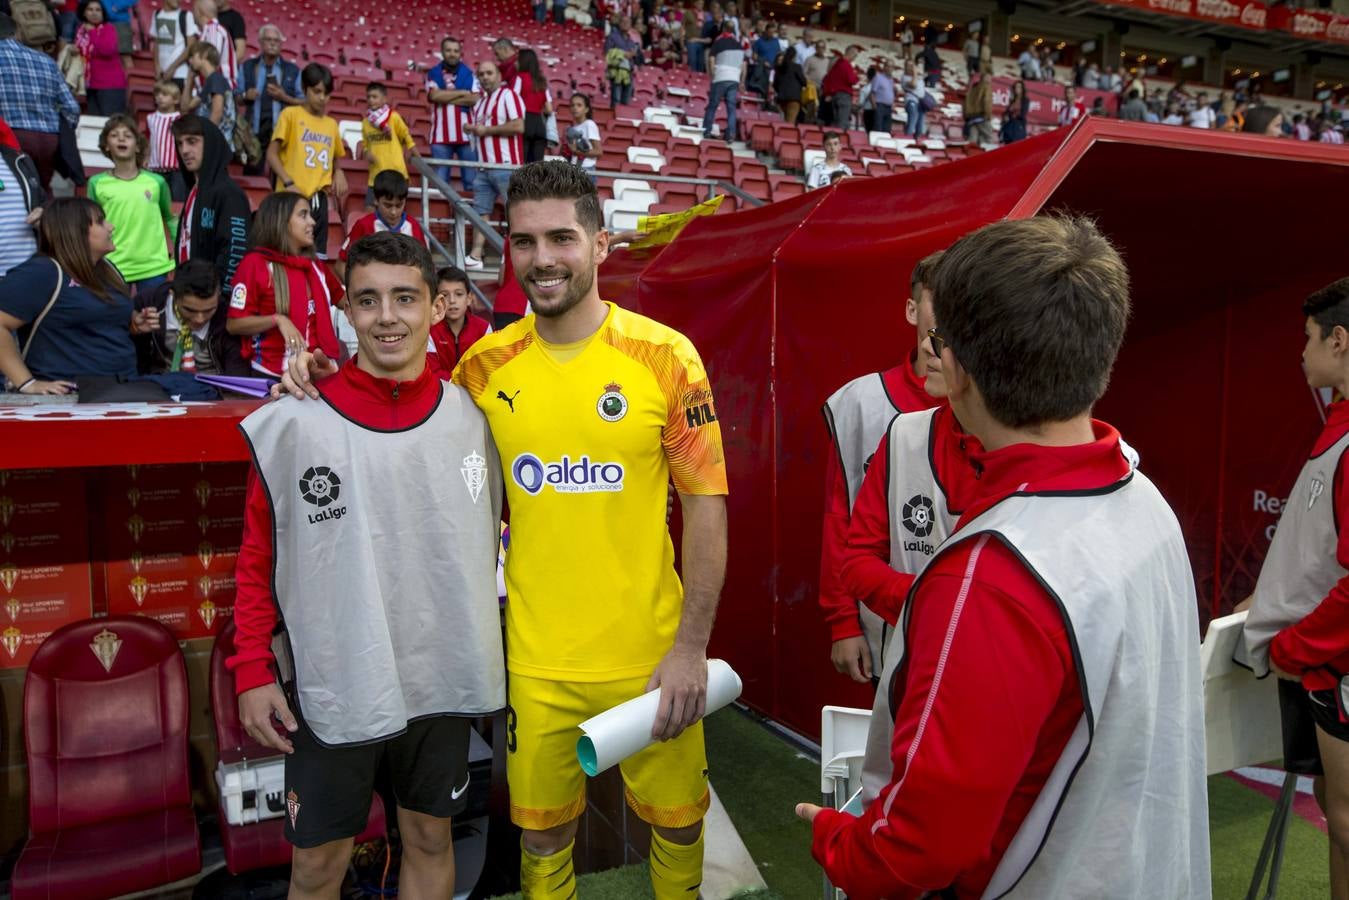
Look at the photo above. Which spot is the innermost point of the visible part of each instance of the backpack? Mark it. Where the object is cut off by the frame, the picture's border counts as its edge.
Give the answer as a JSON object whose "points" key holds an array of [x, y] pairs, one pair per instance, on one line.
{"points": [[33, 23]]}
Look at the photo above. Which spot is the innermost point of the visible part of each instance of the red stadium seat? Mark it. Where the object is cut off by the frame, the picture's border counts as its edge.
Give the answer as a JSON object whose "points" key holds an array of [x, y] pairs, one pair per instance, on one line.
{"points": [[261, 844], [105, 711]]}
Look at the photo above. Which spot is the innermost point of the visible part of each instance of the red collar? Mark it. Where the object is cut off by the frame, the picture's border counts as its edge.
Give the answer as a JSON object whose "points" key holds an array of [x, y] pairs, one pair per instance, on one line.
{"points": [[372, 401], [1337, 422], [1033, 467], [906, 389]]}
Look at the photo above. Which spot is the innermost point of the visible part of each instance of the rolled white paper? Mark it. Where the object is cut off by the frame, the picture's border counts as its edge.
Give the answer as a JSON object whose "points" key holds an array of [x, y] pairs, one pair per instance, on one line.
{"points": [[616, 734]]}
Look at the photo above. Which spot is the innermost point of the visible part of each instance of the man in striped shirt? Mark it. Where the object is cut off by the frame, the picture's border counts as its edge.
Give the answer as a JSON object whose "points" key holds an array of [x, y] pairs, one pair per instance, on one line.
{"points": [[218, 36], [452, 90], [498, 123]]}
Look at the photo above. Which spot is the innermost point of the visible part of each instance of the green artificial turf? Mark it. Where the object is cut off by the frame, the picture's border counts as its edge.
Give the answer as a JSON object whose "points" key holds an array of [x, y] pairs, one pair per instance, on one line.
{"points": [[760, 776]]}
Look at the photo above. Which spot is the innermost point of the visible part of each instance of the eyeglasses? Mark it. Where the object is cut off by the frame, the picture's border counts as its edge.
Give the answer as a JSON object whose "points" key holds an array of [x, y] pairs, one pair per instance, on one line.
{"points": [[938, 342]]}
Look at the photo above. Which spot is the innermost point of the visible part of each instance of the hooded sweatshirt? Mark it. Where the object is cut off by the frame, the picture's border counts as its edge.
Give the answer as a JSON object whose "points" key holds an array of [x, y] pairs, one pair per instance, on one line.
{"points": [[214, 222], [313, 289]]}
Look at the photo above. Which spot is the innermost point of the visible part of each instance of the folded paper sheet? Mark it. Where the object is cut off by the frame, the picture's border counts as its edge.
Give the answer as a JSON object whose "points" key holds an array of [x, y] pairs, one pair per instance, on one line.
{"points": [[618, 733]]}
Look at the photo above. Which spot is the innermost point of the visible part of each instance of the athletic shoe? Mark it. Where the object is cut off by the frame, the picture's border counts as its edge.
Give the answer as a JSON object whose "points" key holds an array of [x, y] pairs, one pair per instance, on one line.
{"points": [[471, 262]]}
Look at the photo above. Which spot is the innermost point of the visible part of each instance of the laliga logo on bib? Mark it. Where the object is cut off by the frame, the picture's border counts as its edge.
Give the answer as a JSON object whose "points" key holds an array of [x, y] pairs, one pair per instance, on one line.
{"points": [[566, 476], [320, 486]]}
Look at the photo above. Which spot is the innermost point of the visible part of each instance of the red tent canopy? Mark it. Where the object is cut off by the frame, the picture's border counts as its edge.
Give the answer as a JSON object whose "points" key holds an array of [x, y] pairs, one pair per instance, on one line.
{"points": [[786, 302]]}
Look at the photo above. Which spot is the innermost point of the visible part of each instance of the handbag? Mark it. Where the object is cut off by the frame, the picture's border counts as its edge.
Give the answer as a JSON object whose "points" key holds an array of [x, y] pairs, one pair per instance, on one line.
{"points": [[809, 94], [927, 103], [247, 147]]}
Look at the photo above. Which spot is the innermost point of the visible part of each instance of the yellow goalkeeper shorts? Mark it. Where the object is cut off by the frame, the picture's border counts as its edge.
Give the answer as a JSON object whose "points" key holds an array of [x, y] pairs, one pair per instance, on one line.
{"points": [[665, 784]]}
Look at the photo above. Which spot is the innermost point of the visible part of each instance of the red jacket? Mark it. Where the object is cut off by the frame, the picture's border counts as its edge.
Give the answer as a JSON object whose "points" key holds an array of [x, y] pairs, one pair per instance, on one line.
{"points": [[989, 675], [450, 347], [840, 607], [1322, 638], [313, 290], [371, 401], [840, 79], [866, 572], [511, 297]]}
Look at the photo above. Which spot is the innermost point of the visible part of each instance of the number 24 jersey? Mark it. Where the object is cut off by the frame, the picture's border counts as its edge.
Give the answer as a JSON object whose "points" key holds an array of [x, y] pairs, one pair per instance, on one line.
{"points": [[310, 149], [588, 447]]}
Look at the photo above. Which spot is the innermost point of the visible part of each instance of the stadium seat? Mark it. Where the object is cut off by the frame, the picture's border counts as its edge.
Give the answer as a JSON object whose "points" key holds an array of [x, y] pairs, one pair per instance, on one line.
{"points": [[105, 713], [264, 843]]}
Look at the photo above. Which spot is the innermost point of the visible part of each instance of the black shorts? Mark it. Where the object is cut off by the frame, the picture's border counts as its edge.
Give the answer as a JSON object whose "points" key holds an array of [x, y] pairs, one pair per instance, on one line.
{"points": [[1298, 716], [328, 789], [318, 207], [1325, 712]]}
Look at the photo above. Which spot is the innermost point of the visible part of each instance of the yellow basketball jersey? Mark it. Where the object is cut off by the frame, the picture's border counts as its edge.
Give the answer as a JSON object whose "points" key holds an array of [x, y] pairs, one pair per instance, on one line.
{"points": [[588, 447]]}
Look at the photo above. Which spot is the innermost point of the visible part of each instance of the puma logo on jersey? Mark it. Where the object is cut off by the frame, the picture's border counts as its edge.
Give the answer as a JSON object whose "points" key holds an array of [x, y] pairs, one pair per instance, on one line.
{"points": [[510, 401]]}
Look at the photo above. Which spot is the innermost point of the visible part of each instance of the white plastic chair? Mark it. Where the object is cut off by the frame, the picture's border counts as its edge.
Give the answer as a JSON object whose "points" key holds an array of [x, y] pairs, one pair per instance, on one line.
{"points": [[811, 157], [350, 132], [623, 185], [624, 219]]}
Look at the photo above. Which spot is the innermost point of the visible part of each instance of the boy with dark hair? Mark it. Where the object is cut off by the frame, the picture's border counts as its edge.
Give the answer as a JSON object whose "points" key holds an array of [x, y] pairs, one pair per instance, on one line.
{"points": [[214, 221], [460, 329], [305, 148], [137, 204], [390, 195], [857, 416], [390, 632], [1060, 616], [387, 139], [209, 95], [1298, 624], [193, 337]]}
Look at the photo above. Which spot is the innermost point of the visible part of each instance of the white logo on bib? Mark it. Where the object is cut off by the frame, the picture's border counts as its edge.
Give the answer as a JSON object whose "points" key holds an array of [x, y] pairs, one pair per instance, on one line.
{"points": [[475, 474], [1317, 487]]}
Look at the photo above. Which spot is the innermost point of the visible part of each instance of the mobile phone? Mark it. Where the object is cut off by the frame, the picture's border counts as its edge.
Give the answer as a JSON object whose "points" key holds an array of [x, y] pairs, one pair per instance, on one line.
{"points": [[271, 80]]}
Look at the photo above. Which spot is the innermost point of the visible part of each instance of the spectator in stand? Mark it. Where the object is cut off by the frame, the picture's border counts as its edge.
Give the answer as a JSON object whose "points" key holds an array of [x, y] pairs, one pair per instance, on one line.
{"points": [[931, 65], [159, 126], [789, 83], [694, 20], [1029, 61], [531, 85], [916, 98], [1111, 81], [906, 42], [815, 69], [194, 336], [1237, 120], [805, 48], [498, 123], [20, 204], [972, 53], [209, 94], [559, 12], [268, 83], [883, 97], [96, 40], [453, 90], [1134, 109], [822, 173], [979, 108], [137, 205], [1098, 108], [1172, 115], [1091, 77], [235, 25], [728, 77], [460, 329], [766, 48], [985, 52], [1016, 115], [299, 314], [733, 16], [507, 56], [1203, 115], [665, 55], [88, 329], [118, 14], [1177, 96], [620, 50], [305, 150], [390, 191], [583, 137], [1047, 64], [540, 10], [1327, 133], [1073, 108], [388, 143], [837, 89], [213, 224], [1301, 130], [175, 30], [214, 32]]}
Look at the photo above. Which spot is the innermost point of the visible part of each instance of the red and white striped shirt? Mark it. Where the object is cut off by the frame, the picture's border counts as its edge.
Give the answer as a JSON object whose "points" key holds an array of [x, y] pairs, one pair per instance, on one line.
{"points": [[448, 120], [218, 37], [497, 108], [163, 151]]}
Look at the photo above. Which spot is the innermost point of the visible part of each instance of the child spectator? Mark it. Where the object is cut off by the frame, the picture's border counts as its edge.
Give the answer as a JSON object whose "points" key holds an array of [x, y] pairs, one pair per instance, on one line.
{"points": [[137, 205], [104, 74], [175, 30], [458, 331], [163, 152], [389, 197], [213, 32], [583, 137], [282, 297], [304, 151], [210, 96], [386, 137]]}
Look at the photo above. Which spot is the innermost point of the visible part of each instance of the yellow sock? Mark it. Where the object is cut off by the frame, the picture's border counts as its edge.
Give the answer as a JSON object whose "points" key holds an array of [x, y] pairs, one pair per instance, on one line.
{"points": [[676, 869], [547, 877]]}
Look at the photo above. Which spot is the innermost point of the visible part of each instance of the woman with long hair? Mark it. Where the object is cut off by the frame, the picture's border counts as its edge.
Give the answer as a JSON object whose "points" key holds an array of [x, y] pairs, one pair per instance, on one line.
{"points": [[1014, 116], [283, 295], [68, 307], [1266, 120], [788, 84], [104, 75], [532, 86]]}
